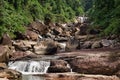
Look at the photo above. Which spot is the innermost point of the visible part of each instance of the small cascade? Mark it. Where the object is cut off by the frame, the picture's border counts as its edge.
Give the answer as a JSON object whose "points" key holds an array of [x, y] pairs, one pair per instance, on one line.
{"points": [[68, 65], [30, 67]]}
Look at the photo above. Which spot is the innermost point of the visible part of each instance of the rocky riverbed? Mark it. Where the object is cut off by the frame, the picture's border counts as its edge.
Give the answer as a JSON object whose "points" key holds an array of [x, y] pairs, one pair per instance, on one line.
{"points": [[72, 52]]}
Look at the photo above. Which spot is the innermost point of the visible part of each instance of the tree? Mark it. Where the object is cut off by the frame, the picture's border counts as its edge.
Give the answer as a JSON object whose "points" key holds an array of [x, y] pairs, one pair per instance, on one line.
{"points": [[105, 16]]}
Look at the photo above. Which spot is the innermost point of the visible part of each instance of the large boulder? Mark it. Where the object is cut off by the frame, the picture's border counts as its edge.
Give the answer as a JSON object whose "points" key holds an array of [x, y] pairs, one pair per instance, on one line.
{"points": [[87, 45], [5, 53], [109, 43], [30, 35], [39, 27], [47, 47], [10, 74], [107, 64], [72, 44], [106, 43], [20, 55], [57, 30], [118, 74], [83, 29], [6, 40], [66, 34], [57, 66], [3, 66], [4, 79], [23, 45], [96, 44], [61, 47]]}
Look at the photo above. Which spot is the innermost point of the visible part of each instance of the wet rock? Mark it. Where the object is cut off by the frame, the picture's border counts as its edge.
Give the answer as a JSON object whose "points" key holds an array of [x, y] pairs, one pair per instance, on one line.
{"points": [[57, 66], [6, 40], [10, 74], [95, 64], [96, 44]]}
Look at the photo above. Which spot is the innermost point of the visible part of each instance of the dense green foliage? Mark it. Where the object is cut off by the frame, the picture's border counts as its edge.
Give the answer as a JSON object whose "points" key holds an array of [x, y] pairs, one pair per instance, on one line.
{"points": [[106, 16], [14, 14], [87, 4]]}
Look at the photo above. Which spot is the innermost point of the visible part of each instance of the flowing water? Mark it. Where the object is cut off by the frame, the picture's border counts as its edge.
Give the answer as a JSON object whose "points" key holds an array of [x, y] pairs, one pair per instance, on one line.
{"points": [[30, 68], [33, 69]]}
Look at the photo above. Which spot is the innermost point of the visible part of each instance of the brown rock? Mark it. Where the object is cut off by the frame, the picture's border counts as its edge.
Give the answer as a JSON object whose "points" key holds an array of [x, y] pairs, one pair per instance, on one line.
{"points": [[5, 54], [47, 47], [72, 44], [58, 66], [57, 30], [95, 64], [39, 27], [23, 45], [6, 40], [61, 47], [31, 35], [74, 76], [18, 55], [118, 74], [4, 79], [66, 34], [3, 66], [96, 44], [86, 45], [10, 74], [98, 77], [83, 29], [105, 43]]}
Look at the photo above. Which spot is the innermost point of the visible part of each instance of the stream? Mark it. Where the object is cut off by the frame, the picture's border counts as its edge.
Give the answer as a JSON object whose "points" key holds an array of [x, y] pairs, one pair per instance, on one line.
{"points": [[32, 69]]}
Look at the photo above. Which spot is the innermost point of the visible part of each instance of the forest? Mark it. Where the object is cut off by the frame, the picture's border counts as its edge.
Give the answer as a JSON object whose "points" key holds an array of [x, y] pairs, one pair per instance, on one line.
{"points": [[16, 14]]}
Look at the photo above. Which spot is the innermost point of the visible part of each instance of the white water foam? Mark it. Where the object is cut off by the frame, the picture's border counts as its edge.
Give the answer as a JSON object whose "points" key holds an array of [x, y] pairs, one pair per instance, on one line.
{"points": [[30, 67]]}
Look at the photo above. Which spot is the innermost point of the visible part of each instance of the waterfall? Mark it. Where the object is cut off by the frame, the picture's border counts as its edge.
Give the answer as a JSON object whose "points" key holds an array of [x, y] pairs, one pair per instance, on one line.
{"points": [[68, 65], [30, 67], [82, 19]]}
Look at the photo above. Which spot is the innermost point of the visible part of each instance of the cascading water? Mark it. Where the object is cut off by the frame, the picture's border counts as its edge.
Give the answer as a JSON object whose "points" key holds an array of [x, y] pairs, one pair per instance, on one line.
{"points": [[30, 67]]}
